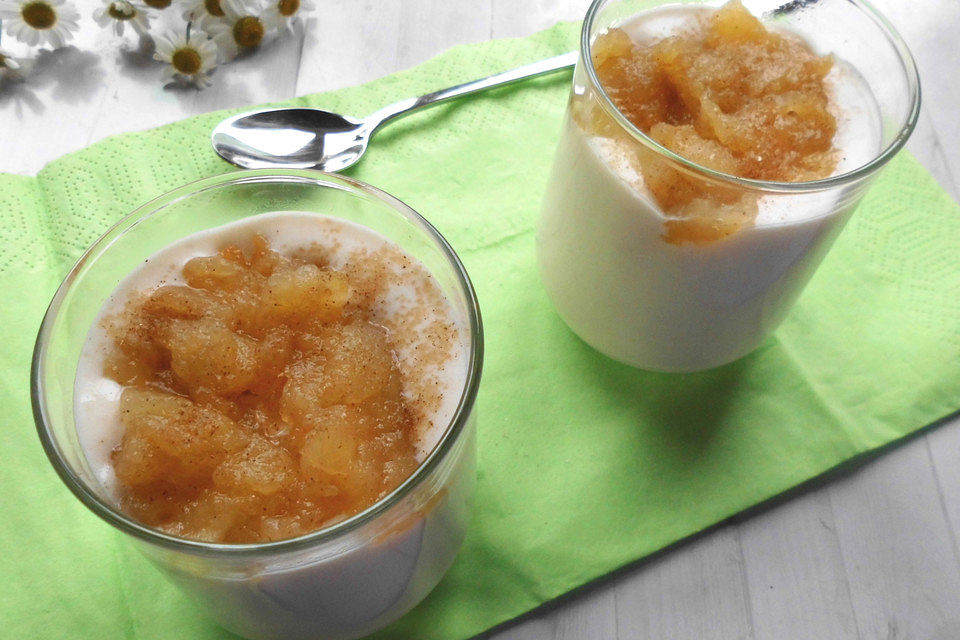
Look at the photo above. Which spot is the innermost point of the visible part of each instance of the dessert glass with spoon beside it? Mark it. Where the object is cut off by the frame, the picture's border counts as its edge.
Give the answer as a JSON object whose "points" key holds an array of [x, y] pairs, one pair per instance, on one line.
{"points": [[266, 380], [709, 157]]}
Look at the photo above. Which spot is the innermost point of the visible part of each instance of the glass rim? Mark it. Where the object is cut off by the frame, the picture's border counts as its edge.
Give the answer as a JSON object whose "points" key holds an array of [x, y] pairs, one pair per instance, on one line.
{"points": [[771, 186], [447, 440]]}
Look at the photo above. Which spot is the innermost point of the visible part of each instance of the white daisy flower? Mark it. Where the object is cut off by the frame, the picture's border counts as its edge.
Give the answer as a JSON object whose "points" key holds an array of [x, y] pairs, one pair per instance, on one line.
{"points": [[190, 58], [283, 14], [240, 29], [119, 13], [39, 21], [207, 12]]}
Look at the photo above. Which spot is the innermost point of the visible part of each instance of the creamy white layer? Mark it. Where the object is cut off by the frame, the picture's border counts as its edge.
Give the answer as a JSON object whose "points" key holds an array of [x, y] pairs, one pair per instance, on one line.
{"points": [[662, 306]]}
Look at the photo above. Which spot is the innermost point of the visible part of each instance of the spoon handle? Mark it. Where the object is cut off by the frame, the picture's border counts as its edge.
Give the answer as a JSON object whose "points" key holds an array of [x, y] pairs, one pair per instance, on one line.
{"points": [[404, 107]]}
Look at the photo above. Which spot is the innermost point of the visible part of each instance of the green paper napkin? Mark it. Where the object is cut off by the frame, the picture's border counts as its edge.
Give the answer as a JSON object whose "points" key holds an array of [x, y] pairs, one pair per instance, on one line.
{"points": [[584, 464]]}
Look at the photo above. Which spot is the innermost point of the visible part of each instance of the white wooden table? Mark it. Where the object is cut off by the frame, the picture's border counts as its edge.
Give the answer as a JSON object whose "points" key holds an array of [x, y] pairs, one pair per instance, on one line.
{"points": [[872, 554]]}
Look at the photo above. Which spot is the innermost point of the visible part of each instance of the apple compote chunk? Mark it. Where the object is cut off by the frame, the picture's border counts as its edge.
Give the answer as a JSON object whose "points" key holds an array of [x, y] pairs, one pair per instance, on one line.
{"points": [[261, 399], [727, 94]]}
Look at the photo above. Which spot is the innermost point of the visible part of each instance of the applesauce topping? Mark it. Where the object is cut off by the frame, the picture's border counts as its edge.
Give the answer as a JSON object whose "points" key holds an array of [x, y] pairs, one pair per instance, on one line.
{"points": [[727, 94], [264, 397]]}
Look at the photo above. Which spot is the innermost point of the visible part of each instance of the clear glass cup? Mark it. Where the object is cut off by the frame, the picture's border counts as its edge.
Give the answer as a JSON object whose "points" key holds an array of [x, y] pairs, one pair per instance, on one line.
{"points": [[602, 242], [340, 582]]}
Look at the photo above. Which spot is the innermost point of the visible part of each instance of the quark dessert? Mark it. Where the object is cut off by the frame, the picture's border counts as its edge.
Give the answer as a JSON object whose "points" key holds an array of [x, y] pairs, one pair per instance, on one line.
{"points": [[267, 394], [269, 378], [669, 268]]}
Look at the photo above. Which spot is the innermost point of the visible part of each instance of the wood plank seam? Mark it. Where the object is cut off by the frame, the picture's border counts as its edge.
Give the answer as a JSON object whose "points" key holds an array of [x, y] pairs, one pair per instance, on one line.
{"points": [[943, 504]]}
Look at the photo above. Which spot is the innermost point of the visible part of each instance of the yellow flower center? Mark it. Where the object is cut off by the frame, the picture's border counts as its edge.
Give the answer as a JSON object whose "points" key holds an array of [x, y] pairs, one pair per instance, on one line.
{"points": [[158, 4], [186, 61], [121, 11], [213, 7], [288, 7], [248, 31], [38, 15]]}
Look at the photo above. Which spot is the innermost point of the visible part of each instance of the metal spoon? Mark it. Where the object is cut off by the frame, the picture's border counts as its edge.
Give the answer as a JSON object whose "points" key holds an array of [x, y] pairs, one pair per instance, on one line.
{"points": [[314, 139]]}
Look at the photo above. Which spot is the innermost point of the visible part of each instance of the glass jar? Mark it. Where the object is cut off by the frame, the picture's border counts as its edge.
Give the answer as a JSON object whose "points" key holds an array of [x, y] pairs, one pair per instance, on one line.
{"points": [[343, 581], [706, 284]]}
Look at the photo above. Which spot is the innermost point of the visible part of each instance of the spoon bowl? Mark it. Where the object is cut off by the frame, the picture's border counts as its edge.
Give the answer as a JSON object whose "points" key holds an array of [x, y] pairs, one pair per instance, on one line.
{"points": [[302, 138], [292, 138]]}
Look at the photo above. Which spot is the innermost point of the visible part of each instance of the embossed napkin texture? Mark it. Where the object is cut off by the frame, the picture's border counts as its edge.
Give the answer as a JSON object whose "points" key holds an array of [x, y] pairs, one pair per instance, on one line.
{"points": [[585, 465]]}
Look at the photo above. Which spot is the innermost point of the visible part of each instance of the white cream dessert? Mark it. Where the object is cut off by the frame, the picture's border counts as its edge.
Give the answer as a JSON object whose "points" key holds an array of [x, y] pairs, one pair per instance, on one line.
{"points": [[393, 561], [691, 281], [403, 307]]}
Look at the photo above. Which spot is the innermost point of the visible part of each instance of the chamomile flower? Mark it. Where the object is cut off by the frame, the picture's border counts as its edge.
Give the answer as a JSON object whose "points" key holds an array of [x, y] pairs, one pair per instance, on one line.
{"points": [[190, 58], [119, 13], [207, 12], [39, 21], [283, 14], [240, 29]]}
